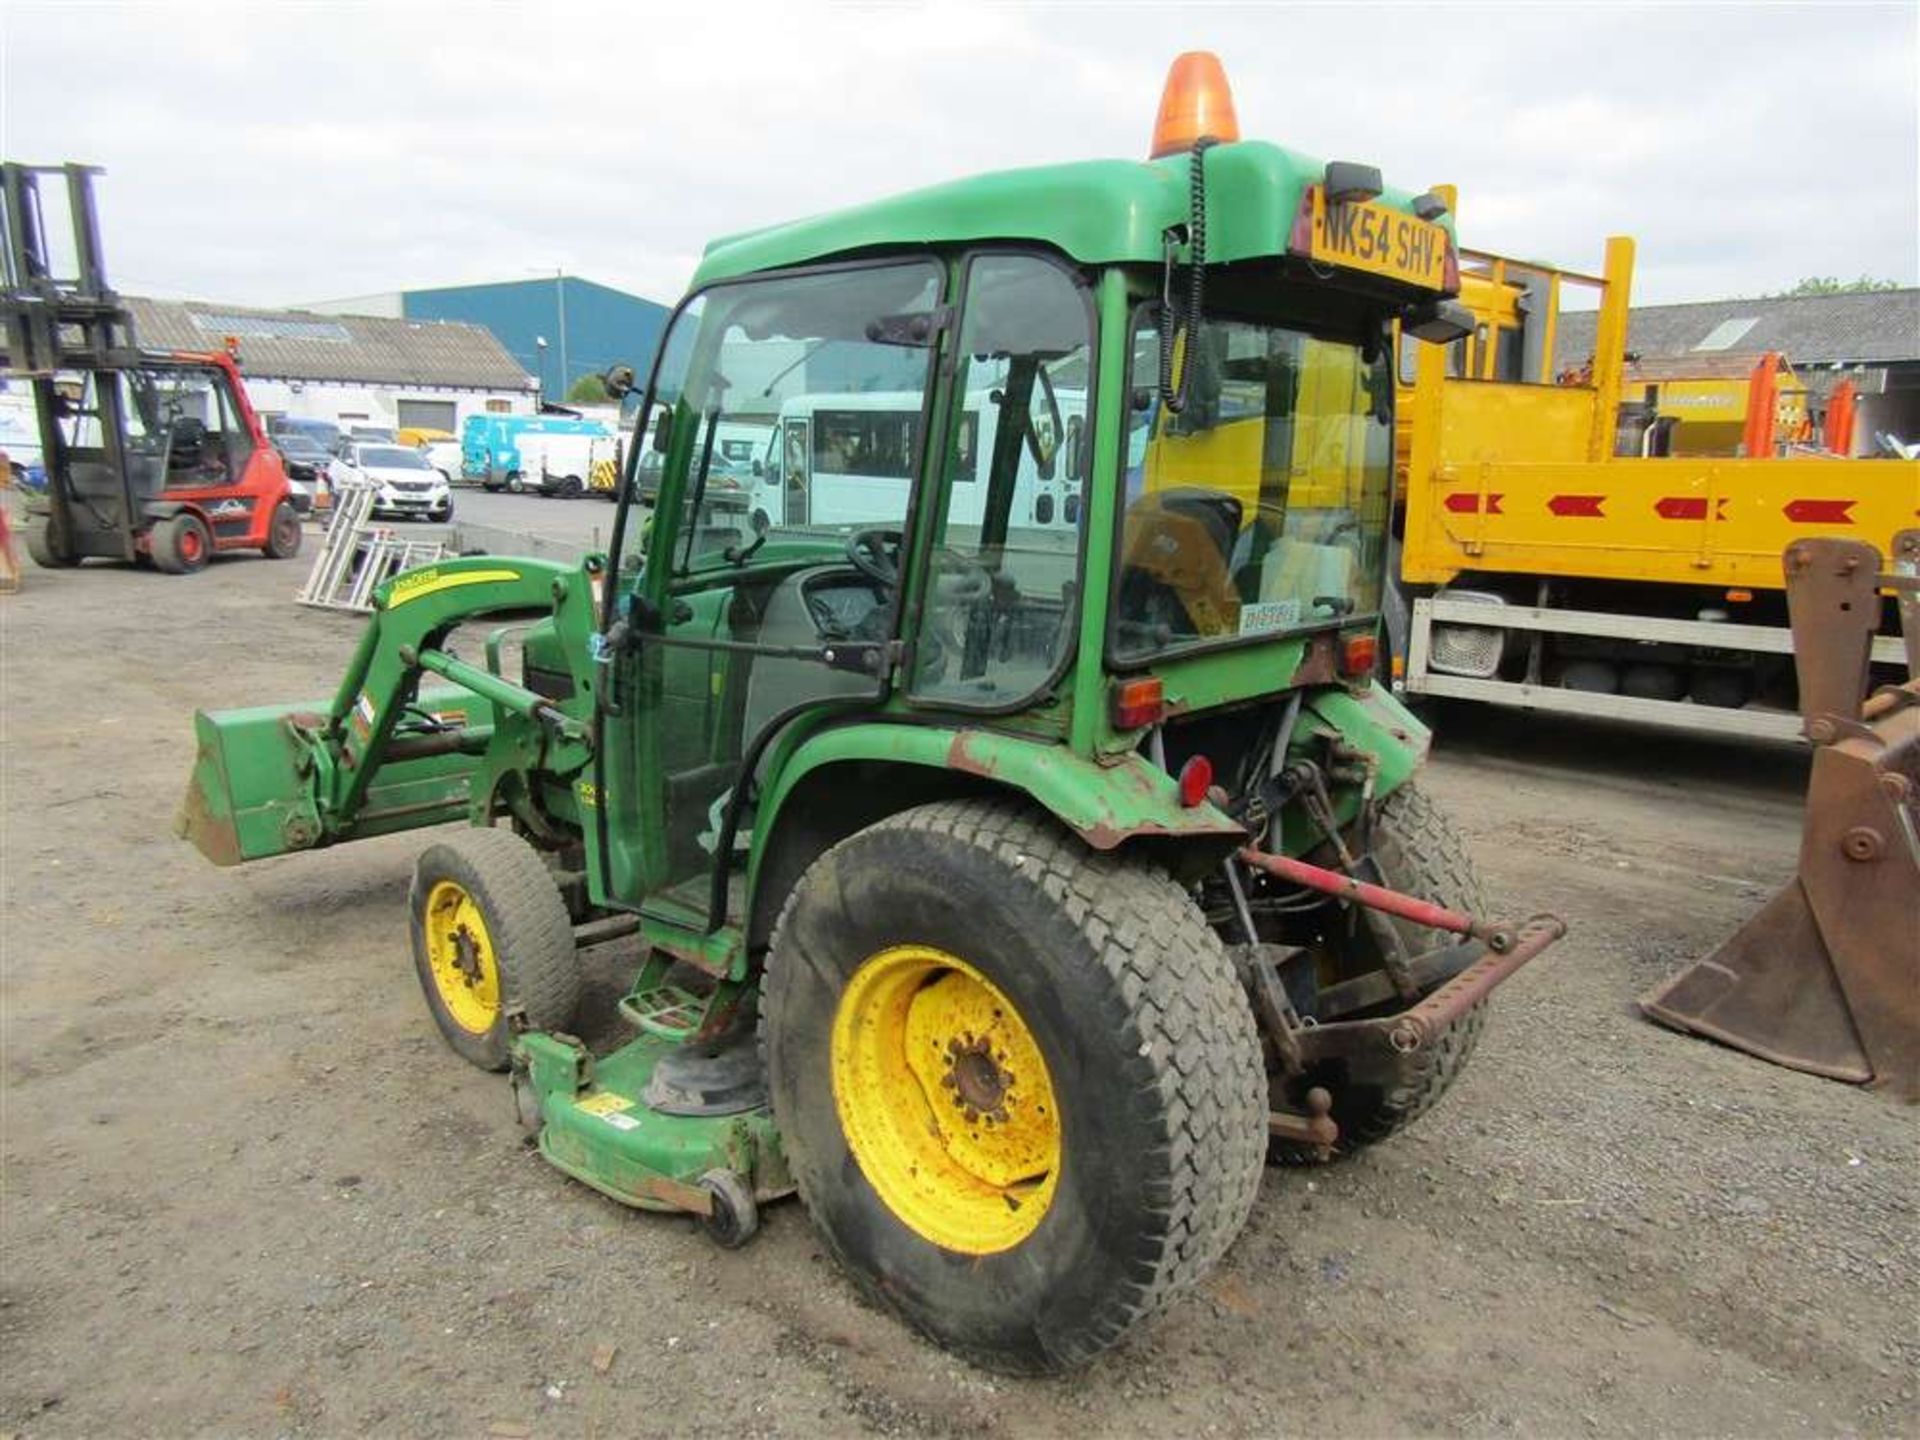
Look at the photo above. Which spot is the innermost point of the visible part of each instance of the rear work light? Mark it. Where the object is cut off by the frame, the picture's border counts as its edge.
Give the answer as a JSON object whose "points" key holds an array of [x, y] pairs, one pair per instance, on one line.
{"points": [[1138, 703], [1358, 655]]}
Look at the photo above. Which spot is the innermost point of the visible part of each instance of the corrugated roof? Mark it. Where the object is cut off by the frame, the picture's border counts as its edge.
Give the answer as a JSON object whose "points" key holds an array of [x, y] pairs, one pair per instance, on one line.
{"points": [[305, 345], [1869, 327]]}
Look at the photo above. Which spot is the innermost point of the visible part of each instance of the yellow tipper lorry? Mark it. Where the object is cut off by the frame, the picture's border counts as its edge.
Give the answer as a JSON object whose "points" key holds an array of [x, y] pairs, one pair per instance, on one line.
{"points": [[1546, 561]]}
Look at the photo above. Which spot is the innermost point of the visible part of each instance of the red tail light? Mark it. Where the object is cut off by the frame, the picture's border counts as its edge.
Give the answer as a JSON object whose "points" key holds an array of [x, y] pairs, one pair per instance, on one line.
{"points": [[1196, 778], [1138, 703], [1358, 654]]}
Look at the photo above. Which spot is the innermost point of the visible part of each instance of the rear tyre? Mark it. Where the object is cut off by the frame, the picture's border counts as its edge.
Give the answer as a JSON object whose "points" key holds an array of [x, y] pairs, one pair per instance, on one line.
{"points": [[50, 546], [492, 945], [1420, 853], [181, 544], [1018, 1085], [283, 536]]}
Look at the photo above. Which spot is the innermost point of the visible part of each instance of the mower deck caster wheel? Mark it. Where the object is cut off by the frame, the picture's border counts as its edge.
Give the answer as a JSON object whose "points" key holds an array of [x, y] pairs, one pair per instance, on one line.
{"points": [[734, 1218]]}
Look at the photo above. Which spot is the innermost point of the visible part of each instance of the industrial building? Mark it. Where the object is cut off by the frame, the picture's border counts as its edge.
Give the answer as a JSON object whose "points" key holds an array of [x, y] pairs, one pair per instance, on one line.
{"points": [[1871, 337], [557, 328], [349, 368]]}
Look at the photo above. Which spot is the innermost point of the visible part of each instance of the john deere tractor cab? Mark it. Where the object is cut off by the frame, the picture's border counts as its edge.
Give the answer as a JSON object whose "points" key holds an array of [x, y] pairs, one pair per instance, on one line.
{"points": [[151, 456], [1011, 891]]}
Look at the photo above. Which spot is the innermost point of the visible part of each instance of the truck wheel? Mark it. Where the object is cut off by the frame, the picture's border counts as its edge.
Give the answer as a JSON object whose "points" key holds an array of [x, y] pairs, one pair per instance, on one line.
{"points": [[283, 536], [181, 544], [50, 546], [491, 944], [515, 485], [1017, 1083], [1422, 854]]}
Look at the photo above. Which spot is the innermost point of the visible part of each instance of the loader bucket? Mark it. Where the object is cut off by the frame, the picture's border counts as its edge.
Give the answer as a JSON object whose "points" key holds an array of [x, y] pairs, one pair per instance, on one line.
{"points": [[1826, 977], [252, 792]]}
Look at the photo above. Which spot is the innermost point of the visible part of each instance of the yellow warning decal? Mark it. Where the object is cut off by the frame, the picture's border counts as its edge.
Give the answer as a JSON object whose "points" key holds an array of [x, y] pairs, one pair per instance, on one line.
{"points": [[588, 792], [418, 584], [603, 1102]]}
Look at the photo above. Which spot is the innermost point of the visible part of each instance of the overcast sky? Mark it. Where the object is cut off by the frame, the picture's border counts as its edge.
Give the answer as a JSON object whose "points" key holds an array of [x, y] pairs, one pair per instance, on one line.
{"points": [[279, 152]]}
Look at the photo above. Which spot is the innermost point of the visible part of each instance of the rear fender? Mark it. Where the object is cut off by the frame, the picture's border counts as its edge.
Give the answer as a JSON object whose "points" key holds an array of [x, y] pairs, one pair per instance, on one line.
{"points": [[1105, 804]]}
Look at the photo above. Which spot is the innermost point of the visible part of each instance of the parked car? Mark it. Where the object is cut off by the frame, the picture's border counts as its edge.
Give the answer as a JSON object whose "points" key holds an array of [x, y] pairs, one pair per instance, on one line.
{"points": [[306, 458], [372, 435], [405, 484], [325, 432]]}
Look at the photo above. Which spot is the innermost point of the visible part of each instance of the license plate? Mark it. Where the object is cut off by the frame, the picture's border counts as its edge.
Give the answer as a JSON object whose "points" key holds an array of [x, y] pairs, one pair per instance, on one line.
{"points": [[1365, 235]]}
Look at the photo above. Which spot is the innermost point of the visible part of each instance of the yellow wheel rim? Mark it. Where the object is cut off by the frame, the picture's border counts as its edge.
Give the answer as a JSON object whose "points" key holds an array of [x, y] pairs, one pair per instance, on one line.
{"points": [[945, 1100], [460, 956]]}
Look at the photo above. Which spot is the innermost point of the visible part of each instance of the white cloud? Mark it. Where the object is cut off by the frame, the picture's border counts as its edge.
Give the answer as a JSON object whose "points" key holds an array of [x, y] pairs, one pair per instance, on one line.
{"points": [[298, 151]]}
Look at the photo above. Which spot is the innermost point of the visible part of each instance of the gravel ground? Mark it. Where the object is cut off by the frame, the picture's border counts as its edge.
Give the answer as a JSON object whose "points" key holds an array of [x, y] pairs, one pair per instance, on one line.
{"points": [[247, 1191]]}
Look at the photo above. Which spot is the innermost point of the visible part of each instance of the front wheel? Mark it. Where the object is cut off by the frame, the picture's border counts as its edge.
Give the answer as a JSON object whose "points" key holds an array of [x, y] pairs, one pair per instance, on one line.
{"points": [[492, 944], [443, 514], [50, 545], [515, 485], [1017, 1083]]}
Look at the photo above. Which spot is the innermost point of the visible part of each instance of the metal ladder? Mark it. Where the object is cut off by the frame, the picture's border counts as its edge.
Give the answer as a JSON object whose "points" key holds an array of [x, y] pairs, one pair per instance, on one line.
{"points": [[357, 557]]}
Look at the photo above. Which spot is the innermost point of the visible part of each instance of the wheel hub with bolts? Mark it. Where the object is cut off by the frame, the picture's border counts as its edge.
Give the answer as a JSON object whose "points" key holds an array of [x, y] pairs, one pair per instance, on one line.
{"points": [[945, 1100], [978, 1083]]}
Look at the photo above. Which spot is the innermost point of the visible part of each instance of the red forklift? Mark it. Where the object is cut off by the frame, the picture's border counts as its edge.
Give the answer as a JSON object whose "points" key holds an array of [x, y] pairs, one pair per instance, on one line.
{"points": [[151, 456]]}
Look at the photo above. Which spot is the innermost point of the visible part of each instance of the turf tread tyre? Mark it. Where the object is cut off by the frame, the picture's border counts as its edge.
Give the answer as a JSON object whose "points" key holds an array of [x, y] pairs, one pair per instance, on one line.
{"points": [[1422, 854], [1188, 1044], [527, 923]]}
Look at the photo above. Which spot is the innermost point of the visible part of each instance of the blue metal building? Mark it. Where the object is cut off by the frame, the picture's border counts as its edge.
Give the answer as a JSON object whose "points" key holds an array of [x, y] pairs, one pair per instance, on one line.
{"points": [[585, 326]]}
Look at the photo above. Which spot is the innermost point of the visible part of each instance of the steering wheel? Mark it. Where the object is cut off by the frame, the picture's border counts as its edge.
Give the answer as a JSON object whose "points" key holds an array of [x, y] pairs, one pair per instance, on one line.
{"points": [[875, 553], [957, 579]]}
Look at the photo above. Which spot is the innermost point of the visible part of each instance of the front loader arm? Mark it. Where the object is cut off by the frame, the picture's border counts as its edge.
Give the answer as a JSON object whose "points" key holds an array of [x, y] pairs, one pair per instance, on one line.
{"points": [[387, 754]]}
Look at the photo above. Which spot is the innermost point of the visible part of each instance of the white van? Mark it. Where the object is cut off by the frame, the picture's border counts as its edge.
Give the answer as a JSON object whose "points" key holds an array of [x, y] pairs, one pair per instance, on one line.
{"points": [[830, 455], [563, 465]]}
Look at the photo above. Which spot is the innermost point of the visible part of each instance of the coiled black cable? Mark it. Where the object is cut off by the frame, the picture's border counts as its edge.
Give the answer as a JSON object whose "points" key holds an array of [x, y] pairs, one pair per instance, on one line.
{"points": [[1175, 398]]}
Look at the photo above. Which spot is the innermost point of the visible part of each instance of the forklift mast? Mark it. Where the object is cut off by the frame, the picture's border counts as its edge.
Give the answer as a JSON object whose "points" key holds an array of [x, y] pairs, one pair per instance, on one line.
{"points": [[73, 323], [54, 321]]}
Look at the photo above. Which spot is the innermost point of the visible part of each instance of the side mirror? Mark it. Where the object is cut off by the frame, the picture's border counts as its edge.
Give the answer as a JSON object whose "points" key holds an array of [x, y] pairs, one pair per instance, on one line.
{"points": [[759, 469], [1438, 322], [619, 381]]}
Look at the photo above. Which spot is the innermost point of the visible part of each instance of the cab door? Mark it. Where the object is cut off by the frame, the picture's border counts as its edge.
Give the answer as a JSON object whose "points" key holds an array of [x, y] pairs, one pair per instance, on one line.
{"points": [[734, 634]]}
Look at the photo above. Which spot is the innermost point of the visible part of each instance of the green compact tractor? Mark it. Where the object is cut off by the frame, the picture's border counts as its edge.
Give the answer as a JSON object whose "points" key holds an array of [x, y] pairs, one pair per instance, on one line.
{"points": [[1021, 851]]}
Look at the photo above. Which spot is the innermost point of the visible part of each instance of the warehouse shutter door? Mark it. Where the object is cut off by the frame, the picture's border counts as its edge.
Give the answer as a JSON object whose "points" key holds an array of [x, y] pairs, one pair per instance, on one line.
{"points": [[429, 415]]}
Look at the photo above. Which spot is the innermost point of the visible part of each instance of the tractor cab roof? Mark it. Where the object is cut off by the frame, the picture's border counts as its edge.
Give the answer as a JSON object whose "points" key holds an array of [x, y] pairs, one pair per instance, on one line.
{"points": [[1094, 211]]}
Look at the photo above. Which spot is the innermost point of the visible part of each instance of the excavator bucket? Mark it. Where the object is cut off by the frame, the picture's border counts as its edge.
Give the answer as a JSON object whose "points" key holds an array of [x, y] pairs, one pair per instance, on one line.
{"points": [[1826, 977]]}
